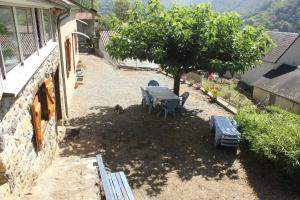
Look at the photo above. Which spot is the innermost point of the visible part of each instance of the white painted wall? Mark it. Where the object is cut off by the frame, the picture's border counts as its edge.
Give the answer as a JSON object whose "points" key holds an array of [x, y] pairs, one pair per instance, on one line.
{"points": [[68, 26]]}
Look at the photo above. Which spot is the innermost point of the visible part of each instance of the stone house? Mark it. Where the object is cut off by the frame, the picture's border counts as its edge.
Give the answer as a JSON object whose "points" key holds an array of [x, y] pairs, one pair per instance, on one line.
{"points": [[276, 81], [38, 60]]}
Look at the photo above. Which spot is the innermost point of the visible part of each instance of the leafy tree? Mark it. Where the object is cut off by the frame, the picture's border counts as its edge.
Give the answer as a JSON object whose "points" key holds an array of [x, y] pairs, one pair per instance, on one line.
{"points": [[3, 29], [108, 22], [120, 9], [185, 39]]}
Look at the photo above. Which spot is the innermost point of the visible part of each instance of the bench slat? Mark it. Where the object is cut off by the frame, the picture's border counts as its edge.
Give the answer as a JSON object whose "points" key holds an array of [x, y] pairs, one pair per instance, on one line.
{"points": [[126, 186], [120, 181], [104, 178], [112, 187], [117, 186]]}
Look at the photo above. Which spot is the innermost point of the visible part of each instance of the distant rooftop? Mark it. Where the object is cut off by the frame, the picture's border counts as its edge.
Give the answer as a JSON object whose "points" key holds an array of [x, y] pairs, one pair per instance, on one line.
{"points": [[283, 81], [283, 41]]}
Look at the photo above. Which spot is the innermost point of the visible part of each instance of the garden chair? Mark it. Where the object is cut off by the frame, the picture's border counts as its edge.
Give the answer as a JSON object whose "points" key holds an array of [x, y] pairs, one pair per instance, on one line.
{"points": [[147, 102], [169, 107], [183, 99], [153, 83]]}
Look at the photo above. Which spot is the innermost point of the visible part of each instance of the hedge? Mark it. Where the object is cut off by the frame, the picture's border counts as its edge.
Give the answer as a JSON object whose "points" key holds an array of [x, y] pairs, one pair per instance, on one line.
{"points": [[272, 134]]}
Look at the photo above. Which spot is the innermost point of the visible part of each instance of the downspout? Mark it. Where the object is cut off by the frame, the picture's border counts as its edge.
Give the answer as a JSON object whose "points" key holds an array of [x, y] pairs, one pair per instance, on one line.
{"points": [[61, 17]]}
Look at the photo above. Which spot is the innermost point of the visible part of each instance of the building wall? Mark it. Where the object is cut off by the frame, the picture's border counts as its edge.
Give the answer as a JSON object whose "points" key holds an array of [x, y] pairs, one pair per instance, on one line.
{"points": [[20, 164], [263, 96], [287, 104], [68, 26]]}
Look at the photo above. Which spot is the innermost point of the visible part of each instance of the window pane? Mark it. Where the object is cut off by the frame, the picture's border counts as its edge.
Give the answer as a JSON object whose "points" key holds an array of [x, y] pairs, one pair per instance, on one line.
{"points": [[8, 38], [46, 24], [25, 28]]}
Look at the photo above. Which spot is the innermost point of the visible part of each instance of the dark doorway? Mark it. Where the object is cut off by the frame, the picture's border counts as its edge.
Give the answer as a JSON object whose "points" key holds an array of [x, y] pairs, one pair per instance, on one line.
{"points": [[272, 99], [57, 95]]}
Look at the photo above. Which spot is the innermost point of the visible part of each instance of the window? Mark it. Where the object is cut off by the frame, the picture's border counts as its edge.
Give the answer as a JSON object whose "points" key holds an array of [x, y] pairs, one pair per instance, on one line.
{"points": [[47, 24], [26, 31], [9, 47], [23, 31]]}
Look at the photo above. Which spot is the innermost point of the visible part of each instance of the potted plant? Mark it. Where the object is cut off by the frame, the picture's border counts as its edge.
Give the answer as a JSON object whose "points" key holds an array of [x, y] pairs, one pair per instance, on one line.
{"points": [[207, 88], [191, 82], [198, 86], [215, 93]]}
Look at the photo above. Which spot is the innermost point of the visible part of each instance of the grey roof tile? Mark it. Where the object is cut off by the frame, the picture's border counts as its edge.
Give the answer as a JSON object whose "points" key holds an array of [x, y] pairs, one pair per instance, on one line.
{"points": [[283, 41]]}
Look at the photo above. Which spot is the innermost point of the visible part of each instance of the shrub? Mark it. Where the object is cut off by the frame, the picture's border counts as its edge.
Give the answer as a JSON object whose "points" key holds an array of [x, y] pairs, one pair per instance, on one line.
{"points": [[272, 134]]}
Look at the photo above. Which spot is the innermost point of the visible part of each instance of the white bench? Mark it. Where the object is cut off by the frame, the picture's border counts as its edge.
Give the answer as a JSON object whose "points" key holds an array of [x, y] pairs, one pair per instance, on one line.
{"points": [[115, 185]]}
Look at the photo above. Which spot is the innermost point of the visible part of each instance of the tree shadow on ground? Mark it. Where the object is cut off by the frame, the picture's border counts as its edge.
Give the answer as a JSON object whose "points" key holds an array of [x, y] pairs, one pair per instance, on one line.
{"points": [[147, 147]]}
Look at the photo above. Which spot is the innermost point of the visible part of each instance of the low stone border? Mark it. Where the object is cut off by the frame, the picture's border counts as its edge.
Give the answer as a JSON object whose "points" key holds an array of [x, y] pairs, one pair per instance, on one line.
{"points": [[219, 100]]}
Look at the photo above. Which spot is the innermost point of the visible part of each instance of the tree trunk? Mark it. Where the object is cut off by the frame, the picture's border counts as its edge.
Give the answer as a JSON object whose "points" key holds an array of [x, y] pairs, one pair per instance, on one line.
{"points": [[176, 86]]}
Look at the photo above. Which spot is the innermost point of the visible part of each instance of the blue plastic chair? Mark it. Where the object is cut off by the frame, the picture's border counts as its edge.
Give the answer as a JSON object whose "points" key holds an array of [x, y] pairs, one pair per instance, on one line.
{"points": [[183, 99], [169, 107], [153, 83], [146, 100]]}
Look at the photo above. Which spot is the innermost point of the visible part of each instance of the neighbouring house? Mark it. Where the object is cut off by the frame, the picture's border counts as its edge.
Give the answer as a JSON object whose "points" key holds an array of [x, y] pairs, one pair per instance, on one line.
{"points": [[38, 60], [281, 87], [286, 52], [276, 81], [85, 24]]}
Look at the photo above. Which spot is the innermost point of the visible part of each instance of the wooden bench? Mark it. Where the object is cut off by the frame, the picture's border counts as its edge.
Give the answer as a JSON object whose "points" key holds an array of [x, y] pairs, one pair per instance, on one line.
{"points": [[115, 185]]}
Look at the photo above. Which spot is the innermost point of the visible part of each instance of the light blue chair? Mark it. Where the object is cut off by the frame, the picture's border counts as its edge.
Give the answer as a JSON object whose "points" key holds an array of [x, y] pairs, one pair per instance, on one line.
{"points": [[169, 107], [147, 102], [153, 83], [183, 99]]}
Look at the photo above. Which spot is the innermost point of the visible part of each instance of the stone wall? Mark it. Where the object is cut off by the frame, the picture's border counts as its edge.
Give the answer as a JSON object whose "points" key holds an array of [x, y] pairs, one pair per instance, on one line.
{"points": [[20, 164]]}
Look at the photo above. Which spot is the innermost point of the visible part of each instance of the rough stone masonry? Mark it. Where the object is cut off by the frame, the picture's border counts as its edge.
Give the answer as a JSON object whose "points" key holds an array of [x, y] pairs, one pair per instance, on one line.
{"points": [[20, 164]]}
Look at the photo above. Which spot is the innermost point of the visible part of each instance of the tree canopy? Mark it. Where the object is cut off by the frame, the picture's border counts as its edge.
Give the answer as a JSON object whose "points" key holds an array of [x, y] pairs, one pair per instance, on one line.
{"points": [[120, 9], [184, 39]]}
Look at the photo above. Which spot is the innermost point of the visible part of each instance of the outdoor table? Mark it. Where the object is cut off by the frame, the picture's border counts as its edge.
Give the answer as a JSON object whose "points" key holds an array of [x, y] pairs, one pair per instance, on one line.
{"points": [[161, 94]]}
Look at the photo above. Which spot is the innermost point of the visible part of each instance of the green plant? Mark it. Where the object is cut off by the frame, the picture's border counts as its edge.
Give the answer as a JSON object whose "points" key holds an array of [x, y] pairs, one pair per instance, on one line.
{"points": [[191, 81], [8, 52], [272, 134], [184, 39], [207, 87]]}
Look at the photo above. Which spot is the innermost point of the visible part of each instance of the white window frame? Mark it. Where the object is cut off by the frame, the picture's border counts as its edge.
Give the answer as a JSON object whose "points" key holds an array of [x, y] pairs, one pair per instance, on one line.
{"points": [[24, 70], [41, 30], [49, 23]]}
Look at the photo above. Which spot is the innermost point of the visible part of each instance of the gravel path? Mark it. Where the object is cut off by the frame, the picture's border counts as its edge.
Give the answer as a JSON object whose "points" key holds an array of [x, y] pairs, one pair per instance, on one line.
{"points": [[172, 159]]}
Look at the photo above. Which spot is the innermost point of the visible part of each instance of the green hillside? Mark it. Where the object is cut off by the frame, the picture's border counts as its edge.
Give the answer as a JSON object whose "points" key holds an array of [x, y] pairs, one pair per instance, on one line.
{"points": [[278, 15]]}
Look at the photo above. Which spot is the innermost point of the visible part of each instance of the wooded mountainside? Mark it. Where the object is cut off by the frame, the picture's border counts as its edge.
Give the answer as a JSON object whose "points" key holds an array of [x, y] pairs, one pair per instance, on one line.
{"points": [[277, 15]]}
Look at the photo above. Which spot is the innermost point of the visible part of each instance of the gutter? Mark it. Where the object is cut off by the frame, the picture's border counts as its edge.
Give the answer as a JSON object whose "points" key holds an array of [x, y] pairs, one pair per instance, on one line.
{"points": [[61, 17]]}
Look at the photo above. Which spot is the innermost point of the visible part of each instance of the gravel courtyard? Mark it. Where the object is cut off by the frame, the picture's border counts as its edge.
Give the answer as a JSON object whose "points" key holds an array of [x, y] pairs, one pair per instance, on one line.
{"points": [[172, 159]]}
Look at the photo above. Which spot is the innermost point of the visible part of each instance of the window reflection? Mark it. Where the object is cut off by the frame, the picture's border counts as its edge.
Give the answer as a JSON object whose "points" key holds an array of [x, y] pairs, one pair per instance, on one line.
{"points": [[25, 28], [8, 38]]}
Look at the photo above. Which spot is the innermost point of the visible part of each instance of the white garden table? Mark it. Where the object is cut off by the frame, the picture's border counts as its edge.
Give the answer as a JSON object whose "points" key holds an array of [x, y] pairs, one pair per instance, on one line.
{"points": [[161, 94]]}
